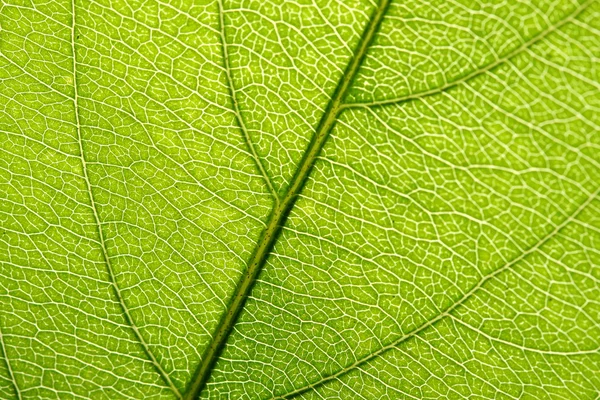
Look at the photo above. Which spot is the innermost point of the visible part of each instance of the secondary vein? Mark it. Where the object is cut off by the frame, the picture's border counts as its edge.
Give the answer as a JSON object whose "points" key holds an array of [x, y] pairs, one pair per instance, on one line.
{"points": [[105, 256], [486, 68], [446, 313], [236, 108], [281, 210], [4, 355]]}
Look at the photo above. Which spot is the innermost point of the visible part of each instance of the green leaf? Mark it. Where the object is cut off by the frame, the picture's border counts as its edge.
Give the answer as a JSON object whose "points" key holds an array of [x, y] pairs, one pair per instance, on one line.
{"points": [[256, 199]]}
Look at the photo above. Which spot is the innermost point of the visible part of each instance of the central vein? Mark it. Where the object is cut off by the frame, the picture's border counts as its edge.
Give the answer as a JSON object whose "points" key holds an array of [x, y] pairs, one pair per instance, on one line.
{"points": [[280, 212]]}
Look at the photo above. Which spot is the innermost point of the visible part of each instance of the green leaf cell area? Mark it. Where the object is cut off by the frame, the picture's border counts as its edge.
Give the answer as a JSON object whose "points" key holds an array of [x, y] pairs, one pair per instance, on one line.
{"points": [[299, 199]]}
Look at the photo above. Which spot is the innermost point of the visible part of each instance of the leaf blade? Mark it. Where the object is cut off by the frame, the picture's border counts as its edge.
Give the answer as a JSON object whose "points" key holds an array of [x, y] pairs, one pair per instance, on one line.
{"points": [[330, 294], [194, 118]]}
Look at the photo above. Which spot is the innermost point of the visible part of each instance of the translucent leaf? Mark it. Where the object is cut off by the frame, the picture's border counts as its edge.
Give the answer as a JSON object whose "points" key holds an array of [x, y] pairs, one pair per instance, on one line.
{"points": [[305, 199]]}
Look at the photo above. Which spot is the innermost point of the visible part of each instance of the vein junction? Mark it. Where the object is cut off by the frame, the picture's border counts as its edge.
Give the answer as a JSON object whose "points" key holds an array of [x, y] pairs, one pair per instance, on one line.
{"points": [[282, 209]]}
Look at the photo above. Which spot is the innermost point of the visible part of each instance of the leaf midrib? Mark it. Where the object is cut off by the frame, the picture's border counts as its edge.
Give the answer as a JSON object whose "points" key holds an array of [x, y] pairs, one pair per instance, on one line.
{"points": [[521, 256], [282, 209]]}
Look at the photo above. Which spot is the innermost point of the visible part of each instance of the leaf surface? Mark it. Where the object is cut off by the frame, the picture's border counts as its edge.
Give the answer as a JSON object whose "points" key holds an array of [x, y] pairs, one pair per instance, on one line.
{"points": [[265, 200]]}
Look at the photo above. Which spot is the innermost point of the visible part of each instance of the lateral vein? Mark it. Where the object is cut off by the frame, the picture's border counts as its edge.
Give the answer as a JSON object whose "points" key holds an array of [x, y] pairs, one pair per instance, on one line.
{"points": [[105, 256], [486, 68], [236, 108], [447, 313], [281, 210], [4, 355]]}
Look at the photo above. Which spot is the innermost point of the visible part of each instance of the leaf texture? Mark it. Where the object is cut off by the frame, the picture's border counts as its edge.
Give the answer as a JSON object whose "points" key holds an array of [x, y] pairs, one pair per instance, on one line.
{"points": [[301, 199]]}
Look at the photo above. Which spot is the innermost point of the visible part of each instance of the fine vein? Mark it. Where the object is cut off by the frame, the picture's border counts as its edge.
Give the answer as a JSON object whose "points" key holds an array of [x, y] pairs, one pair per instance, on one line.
{"points": [[281, 210], [236, 109], [446, 313], [101, 240]]}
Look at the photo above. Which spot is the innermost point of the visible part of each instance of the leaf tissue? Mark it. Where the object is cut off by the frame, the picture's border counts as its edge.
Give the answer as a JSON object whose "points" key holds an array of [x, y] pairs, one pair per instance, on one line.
{"points": [[299, 199]]}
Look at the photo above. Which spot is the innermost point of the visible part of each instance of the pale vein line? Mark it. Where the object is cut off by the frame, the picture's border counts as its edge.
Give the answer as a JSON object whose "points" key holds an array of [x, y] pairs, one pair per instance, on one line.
{"points": [[8, 366], [524, 47], [236, 107], [447, 312], [191, 127], [521, 347], [106, 258]]}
